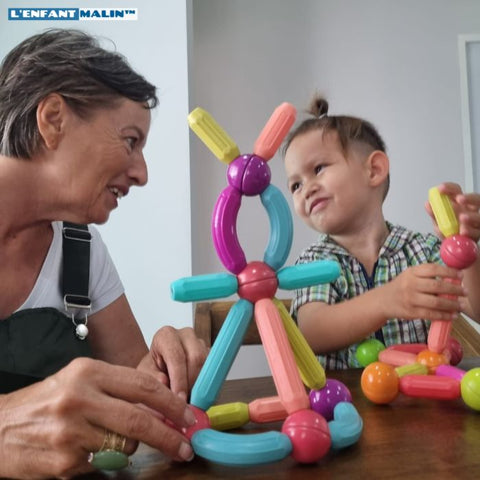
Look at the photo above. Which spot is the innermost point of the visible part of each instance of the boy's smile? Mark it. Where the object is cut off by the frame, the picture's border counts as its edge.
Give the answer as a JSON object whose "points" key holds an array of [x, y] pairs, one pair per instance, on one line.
{"points": [[317, 204]]}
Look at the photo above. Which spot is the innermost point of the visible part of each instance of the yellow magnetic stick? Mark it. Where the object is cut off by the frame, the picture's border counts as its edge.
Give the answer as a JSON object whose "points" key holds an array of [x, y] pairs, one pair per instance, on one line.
{"points": [[228, 416], [312, 373], [443, 211], [213, 135], [412, 369]]}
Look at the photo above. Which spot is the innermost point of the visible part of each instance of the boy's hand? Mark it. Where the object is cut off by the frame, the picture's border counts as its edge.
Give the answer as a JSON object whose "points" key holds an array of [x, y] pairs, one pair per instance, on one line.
{"points": [[419, 291], [466, 207]]}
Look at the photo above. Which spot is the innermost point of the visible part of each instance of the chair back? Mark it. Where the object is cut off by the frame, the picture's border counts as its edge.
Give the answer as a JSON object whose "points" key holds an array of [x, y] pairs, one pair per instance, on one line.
{"points": [[209, 318]]}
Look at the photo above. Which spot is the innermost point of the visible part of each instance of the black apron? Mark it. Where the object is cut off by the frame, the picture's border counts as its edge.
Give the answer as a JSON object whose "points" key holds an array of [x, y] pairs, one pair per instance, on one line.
{"points": [[37, 342]]}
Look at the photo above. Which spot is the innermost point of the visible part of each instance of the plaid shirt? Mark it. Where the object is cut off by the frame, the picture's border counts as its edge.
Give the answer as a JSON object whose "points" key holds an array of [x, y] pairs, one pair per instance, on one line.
{"points": [[401, 249]]}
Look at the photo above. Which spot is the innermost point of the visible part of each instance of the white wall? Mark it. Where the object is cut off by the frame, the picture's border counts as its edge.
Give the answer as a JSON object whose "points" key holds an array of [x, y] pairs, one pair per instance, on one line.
{"points": [[394, 63], [149, 234]]}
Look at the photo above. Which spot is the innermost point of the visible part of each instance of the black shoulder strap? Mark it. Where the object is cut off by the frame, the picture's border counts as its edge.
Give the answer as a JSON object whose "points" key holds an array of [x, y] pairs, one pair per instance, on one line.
{"points": [[76, 265]]}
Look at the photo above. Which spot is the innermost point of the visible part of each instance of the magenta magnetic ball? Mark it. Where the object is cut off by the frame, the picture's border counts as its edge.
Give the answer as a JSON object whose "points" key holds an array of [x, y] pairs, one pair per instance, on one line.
{"points": [[324, 400], [249, 174]]}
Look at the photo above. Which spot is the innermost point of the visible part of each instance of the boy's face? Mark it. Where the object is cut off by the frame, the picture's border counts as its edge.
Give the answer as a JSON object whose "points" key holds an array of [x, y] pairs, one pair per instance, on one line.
{"points": [[330, 192]]}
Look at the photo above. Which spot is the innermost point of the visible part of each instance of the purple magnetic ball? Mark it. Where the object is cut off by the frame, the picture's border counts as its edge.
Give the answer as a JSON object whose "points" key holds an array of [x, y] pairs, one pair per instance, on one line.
{"points": [[249, 174], [323, 401], [236, 170]]}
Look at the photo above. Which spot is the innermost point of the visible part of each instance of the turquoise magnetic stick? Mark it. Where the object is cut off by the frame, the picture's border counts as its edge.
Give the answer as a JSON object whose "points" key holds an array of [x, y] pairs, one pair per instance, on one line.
{"points": [[281, 227]]}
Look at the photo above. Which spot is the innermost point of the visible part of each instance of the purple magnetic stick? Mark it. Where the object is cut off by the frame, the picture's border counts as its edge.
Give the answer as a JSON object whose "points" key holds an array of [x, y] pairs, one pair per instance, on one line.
{"points": [[224, 230]]}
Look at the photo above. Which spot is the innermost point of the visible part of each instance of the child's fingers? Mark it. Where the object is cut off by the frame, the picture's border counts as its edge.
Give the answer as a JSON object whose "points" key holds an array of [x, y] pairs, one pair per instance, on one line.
{"points": [[471, 201], [434, 270], [440, 286], [428, 208], [470, 225], [434, 306], [449, 188]]}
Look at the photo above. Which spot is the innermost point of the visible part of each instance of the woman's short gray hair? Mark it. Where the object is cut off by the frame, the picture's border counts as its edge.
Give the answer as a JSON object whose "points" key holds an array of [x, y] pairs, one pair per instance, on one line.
{"points": [[71, 63]]}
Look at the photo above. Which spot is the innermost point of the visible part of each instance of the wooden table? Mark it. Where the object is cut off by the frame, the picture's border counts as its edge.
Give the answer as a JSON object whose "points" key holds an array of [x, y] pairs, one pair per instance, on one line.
{"points": [[407, 439]]}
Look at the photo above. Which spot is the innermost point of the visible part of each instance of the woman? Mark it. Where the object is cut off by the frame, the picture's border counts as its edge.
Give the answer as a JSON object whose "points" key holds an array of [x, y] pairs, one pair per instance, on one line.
{"points": [[74, 119]]}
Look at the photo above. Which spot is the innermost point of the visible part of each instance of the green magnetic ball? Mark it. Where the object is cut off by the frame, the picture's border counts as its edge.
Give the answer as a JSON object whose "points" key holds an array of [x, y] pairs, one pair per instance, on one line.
{"points": [[470, 388], [367, 352], [109, 460]]}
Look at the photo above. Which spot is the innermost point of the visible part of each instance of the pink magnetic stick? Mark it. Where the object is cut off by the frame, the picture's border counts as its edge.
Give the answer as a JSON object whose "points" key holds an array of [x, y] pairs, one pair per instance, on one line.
{"points": [[267, 409], [440, 330], [409, 347], [450, 371], [396, 358], [274, 131], [280, 357], [430, 386]]}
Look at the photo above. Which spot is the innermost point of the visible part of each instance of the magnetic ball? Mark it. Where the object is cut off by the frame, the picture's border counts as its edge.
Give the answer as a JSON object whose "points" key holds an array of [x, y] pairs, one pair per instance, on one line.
{"points": [[458, 251], [308, 431], [201, 423], [256, 281], [324, 400], [456, 350], [367, 352], [379, 383], [249, 174], [470, 388], [431, 360]]}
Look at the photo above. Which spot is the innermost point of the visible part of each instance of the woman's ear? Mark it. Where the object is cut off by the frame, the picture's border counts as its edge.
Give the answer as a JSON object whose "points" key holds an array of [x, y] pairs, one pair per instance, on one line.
{"points": [[378, 167], [50, 119]]}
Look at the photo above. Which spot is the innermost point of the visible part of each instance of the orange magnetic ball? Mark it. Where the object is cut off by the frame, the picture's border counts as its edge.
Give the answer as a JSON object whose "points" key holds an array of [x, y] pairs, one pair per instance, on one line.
{"points": [[431, 360], [379, 383]]}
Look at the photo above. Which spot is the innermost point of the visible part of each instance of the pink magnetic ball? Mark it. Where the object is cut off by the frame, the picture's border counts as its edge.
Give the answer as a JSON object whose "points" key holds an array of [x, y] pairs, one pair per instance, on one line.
{"points": [[324, 400], [256, 281], [201, 423], [308, 431], [456, 350], [458, 251]]}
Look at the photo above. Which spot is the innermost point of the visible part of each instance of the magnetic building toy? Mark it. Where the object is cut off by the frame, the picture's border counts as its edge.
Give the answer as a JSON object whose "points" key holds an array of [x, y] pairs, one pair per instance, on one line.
{"points": [[314, 422], [426, 370]]}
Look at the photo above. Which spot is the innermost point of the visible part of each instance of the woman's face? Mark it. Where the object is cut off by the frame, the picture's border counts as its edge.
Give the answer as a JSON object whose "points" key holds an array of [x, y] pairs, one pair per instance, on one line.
{"points": [[100, 158]]}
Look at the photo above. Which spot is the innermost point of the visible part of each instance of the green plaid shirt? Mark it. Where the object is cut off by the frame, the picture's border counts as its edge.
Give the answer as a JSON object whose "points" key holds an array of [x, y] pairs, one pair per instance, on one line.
{"points": [[401, 249]]}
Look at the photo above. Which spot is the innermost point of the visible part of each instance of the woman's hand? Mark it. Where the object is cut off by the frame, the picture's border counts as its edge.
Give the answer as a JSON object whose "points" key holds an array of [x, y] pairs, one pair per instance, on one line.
{"points": [[48, 429], [176, 357]]}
